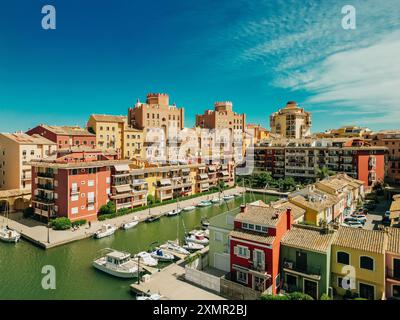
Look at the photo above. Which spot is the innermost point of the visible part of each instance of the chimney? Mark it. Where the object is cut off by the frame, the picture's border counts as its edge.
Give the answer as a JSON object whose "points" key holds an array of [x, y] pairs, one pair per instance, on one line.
{"points": [[243, 208], [289, 218]]}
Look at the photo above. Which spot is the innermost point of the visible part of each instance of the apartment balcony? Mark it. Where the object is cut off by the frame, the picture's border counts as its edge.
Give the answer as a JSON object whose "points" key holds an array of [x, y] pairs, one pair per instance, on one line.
{"points": [[256, 269], [393, 274], [46, 175], [26, 177], [45, 213], [305, 271], [44, 200], [47, 187]]}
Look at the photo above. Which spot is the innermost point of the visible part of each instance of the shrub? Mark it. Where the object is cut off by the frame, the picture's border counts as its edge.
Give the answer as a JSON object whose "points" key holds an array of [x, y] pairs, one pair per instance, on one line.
{"points": [[360, 299], [61, 223], [299, 296], [274, 297], [78, 223], [324, 296], [108, 208], [28, 212]]}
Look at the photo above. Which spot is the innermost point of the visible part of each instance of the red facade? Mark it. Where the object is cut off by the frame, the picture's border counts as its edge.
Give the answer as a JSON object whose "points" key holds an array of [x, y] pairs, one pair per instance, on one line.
{"points": [[254, 256]]}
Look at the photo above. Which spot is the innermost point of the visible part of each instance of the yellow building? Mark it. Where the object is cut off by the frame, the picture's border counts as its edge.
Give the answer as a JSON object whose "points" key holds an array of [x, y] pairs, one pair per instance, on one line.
{"points": [[114, 134], [358, 262], [16, 150]]}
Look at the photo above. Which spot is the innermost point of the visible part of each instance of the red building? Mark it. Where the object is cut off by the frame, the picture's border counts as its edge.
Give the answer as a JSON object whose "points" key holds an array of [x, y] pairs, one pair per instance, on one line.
{"points": [[65, 136], [255, 246], [73, 185]]}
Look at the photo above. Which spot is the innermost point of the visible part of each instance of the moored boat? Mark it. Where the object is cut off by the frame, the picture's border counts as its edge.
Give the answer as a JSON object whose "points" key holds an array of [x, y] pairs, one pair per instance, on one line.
{"points": [[191, 246], [197, 238], [216, 200], [228, 197], [146, 259], [153, 296], [175, 247], [131, 224], [161, 255], [152, 218], [173, 212], [204, 203], [118, 264], [9, 235], [105, 231], [190, 208]]}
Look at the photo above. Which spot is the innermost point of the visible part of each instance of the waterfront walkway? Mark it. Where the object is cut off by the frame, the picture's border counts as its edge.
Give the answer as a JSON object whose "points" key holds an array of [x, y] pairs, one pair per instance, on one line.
{"points": [[37, 232], [268, 192], [168, 283]]}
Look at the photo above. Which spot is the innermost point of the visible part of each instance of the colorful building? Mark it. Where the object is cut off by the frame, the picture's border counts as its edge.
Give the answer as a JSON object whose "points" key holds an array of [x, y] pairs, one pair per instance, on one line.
{"points": [[392, 260], [306, 259], [291, 122], [16, 150], [74, 185], [358, 263], [65, 136], [255, 247]]}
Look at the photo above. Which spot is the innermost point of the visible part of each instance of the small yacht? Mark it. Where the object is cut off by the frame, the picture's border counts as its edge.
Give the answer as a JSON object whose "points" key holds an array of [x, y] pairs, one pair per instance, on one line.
{"points": [[175, 247], [173, 212], [9, 235], [228, 197], [146, 259], [152, 218], [191, 246], [118, 264], [205, 223], [161, 255], [197, 238], [131, 224], [203, 233], [153, 296], [204, 203], [105, 231], [190, 208]]}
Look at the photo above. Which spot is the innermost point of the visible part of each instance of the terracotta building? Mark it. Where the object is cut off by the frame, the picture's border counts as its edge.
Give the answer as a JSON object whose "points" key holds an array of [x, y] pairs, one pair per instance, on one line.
{"points": [[291, 121], [255, 246], [65, 136], [391, 140], [73, 185]]}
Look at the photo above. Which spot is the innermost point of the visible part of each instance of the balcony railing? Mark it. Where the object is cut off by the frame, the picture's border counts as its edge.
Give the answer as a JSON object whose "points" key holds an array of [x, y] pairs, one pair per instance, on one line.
{"points": [[45, 174], [46, 186], [309, 270], [43, 199], [393, 273]]}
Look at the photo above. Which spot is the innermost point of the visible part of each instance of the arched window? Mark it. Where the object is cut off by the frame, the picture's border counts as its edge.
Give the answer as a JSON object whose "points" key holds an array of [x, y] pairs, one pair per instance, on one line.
{"points": [[343, 257], [366, 263]]}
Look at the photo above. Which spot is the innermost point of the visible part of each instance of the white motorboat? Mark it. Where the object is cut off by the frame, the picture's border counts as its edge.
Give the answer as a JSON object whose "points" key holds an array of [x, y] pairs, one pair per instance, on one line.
{"points": [[191, 246], [173, 212], [205, 223], [161, 255], [230, 197], [146, 259], [105, 231], [175, 247], [197, 238], [216, 200], [190, 208], [118, 264], [9, 235], [153, 296], [204, 203], [131, 224], [203, 233]]}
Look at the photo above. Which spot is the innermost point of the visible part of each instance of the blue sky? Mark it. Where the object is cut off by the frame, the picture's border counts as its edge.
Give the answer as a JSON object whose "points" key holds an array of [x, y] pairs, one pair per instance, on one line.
{"points": [[258, 54]]}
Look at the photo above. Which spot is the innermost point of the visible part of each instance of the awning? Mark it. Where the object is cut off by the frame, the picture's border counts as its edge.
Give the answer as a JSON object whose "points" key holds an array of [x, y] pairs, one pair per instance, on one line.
{"points": [[165, 182], [205, 185], [186, 170], [121, 167], [203, 176], [122, 189], [211, 168], [138, 182], [225, 173]]}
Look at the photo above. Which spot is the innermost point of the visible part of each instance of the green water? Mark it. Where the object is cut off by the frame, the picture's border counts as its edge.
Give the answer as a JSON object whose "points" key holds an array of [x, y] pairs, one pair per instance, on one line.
{"points": [[21, 264]]}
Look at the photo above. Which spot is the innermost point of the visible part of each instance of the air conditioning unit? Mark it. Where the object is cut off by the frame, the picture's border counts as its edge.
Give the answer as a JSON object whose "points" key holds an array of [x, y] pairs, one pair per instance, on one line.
{"points": [[288, 264]]}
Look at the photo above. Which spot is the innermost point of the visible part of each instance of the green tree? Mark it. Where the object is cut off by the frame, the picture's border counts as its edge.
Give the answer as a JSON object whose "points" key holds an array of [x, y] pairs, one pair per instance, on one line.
{"points": [[61, 223], [108, 208], [323, 173]]}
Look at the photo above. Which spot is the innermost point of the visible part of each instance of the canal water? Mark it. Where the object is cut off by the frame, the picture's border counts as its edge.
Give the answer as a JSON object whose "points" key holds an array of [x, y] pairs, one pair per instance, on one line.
{"points": [[21, 264]]}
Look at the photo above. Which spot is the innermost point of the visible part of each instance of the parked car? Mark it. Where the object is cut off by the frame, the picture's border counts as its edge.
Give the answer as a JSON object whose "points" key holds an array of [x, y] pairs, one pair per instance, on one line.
{"points": [[353, 219], [353, 224], [360, 217]]}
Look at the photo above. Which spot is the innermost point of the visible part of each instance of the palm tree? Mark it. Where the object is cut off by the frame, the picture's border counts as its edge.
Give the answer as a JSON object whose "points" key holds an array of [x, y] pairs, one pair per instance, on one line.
{"points": [[323, 173]]}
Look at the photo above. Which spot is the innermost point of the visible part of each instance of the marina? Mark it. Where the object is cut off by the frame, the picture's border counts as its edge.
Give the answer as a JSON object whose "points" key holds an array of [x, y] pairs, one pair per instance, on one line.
{"points": [[76, 278]]}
